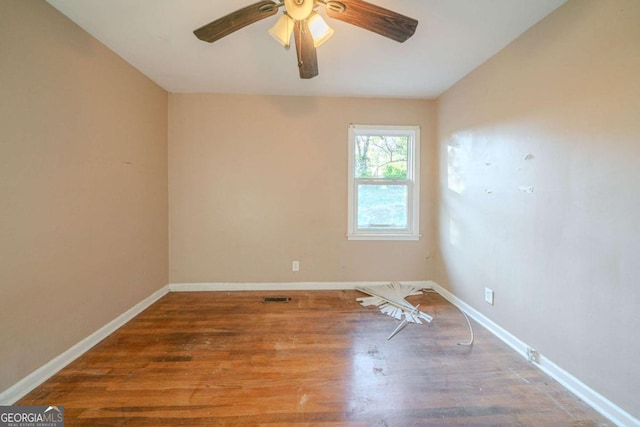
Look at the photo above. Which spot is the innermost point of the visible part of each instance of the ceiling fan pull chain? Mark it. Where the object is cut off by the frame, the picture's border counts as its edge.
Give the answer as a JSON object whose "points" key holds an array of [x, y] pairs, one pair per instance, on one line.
{"points": [[300, 62]]}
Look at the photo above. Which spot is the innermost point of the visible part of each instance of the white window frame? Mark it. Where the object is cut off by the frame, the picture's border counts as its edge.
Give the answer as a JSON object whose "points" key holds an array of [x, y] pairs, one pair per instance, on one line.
{"points": [[412, 232]]}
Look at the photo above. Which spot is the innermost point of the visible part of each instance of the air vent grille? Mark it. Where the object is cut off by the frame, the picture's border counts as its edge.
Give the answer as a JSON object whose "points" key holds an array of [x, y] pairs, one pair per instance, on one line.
{"points": [[276, 299]]}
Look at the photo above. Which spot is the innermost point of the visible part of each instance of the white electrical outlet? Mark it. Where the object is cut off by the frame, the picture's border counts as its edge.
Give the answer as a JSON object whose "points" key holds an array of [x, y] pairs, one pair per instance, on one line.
{"points": [[295, 266], [488, 296]]}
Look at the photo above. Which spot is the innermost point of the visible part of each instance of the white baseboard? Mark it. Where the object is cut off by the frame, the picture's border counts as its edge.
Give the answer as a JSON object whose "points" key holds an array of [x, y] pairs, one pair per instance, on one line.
{"points": [[592, 398], [294, 286], [40, 375]]}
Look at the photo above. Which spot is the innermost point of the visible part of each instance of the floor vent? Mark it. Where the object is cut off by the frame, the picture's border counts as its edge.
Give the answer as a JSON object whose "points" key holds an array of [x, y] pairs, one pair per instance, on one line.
{"points": [[276, 299]]}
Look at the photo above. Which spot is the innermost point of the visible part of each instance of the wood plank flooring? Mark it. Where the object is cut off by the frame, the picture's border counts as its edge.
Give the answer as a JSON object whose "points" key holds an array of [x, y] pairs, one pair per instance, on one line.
{"points": [[228, 359]]}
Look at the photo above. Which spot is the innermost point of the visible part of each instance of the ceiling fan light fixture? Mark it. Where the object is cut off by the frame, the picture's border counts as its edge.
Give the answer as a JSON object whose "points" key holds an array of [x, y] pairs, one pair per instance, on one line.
{"points": [[282, 30], [320, 30], [307, 27]]}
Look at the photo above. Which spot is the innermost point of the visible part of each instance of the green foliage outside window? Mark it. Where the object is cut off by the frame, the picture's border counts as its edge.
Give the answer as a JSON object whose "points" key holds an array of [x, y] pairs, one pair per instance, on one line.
{"points": [[380, 156]]}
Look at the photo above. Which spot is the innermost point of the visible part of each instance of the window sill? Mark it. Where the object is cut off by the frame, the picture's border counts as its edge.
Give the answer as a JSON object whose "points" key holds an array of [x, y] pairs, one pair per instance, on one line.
{"points": [[383, 236]]}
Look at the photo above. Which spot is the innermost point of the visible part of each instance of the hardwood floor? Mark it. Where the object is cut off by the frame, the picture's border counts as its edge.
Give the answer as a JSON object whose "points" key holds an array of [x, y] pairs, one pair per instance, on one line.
{"points": [[228, 359]]}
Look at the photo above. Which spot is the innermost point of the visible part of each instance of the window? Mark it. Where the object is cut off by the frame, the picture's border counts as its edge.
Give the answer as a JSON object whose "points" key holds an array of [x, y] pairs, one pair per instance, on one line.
{"points": [[384, 182]]}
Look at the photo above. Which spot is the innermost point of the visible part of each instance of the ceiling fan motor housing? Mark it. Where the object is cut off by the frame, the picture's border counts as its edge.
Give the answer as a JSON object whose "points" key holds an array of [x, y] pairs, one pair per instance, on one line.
{"points": [[299, 9]]}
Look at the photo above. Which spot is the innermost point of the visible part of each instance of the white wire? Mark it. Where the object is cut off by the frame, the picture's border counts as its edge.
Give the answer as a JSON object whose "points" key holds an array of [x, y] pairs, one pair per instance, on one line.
{"points": [[470, 328], [472, 338]]}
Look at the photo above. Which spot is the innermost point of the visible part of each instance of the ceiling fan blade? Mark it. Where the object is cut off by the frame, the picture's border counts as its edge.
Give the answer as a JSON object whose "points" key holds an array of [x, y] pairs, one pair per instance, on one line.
{"points": [[234, 21], [306, 50], [375, 18]]}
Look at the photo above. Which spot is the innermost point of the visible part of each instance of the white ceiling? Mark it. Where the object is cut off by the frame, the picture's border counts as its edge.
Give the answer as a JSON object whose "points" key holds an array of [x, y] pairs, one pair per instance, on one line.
{"points": [[453, 38]]}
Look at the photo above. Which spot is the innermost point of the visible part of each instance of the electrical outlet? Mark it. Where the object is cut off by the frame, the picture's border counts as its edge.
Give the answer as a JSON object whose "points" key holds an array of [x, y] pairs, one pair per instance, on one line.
{"points": [[533, 355], [295, 266], [488, 296]]}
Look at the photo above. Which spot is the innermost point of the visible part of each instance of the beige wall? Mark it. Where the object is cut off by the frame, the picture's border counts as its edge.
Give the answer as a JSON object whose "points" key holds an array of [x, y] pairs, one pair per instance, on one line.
{"points": [[539, 154], [558, 110], [257, 182], [83, 184]]}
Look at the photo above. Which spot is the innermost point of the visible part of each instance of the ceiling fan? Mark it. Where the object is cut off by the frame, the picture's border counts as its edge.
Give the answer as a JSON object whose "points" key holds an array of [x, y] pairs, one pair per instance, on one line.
{"points": [[307, 26]]}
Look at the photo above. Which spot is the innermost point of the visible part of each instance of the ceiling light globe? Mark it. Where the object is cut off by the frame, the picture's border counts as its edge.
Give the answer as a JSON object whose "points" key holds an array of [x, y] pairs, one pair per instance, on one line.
{"points": [[320, 30], [282, 30]]}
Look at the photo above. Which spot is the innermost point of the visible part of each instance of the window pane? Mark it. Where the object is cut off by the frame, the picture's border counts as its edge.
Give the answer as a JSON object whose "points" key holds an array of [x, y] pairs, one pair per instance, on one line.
{"points": [[382, 206], [380, 156]]}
